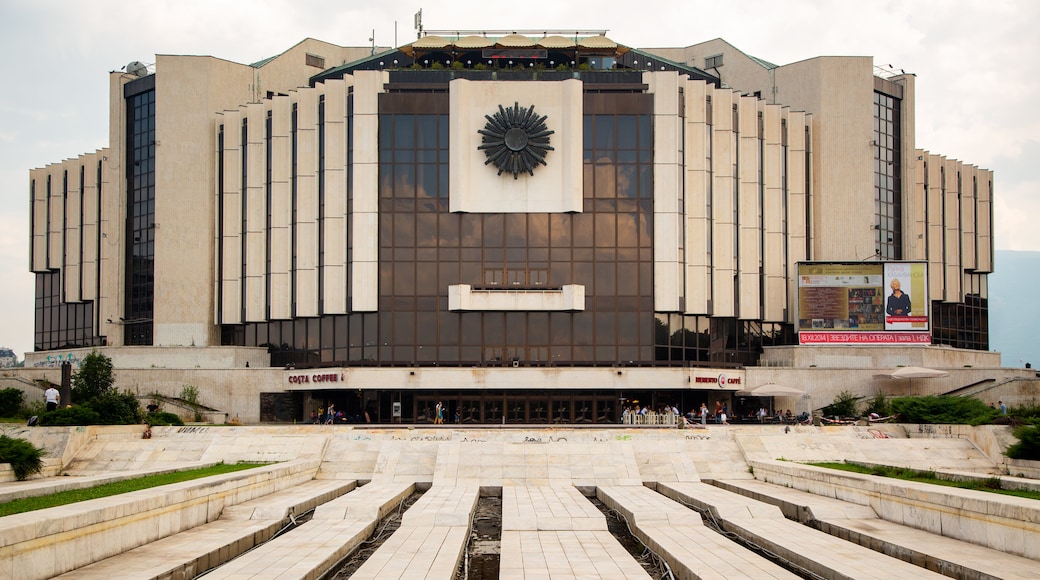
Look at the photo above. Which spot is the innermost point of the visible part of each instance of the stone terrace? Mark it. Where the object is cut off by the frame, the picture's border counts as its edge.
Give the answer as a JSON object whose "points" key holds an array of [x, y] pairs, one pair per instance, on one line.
{"points": [[549, 528]]}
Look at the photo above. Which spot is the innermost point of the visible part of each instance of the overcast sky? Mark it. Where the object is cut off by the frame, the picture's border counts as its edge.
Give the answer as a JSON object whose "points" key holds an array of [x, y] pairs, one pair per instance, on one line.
{"points": [[977, 64]]}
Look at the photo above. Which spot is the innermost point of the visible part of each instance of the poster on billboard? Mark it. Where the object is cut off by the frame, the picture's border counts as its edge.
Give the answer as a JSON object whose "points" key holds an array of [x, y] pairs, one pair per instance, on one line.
{"points": [[903, 281], [862, 303]]}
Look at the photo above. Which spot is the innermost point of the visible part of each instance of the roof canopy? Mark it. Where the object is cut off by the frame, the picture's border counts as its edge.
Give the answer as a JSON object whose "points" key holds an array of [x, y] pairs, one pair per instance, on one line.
{"points": [[445, 42]]}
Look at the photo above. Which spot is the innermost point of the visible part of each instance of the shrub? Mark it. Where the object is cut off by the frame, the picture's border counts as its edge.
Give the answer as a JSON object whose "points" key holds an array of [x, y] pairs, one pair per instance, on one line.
{"points": [[190, 395], [76, 415], [943, 410], [163, 418], [114, 408], [24, 457], [1028, 446], [844, 405], [879, 404], [10, 402]]}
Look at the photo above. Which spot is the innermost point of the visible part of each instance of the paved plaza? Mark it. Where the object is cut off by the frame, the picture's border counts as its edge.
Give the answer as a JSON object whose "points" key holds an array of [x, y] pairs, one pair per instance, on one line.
{"points": [[721, 502]]}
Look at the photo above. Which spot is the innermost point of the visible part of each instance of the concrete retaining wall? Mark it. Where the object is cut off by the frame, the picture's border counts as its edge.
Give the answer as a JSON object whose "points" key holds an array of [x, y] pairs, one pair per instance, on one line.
{"points": [[1006, 523], [45, 543]]}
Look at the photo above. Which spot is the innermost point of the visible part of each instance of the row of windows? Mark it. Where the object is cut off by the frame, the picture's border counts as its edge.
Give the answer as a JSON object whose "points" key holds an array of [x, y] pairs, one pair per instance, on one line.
{"points": [[887, 171], [961, 325], [140, 248], [58, 324]]}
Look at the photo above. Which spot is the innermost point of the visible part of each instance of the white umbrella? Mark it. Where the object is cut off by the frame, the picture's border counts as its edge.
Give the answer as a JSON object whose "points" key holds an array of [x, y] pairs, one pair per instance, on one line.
{"points": [[771, 390], [918, 373], [912, 373]]}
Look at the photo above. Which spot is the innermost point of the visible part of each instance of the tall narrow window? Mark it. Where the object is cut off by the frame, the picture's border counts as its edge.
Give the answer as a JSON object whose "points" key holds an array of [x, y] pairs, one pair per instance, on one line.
{"points": [[888, 194], [140, 226]]}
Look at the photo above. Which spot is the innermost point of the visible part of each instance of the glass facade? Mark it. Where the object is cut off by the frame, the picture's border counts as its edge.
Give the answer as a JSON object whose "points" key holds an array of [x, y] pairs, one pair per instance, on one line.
{"points": [[140, 218], [964, 324], [61, 324], [888, 192], [424, 248]]}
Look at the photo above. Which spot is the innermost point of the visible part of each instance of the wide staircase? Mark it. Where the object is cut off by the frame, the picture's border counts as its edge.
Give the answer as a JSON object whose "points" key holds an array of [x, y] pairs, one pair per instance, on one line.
{"points": [[721, 502]]}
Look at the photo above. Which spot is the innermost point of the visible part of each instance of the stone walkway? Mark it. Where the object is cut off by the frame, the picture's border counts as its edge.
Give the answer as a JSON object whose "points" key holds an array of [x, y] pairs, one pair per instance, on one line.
{"points": [[813, 550], [861, 525], [550, 528], [555, 533], [678, 535]]}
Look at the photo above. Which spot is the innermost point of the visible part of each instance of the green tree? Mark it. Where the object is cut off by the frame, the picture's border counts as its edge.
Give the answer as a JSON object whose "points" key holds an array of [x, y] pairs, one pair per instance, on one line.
{"points": [[93, 388], [93, 379]]}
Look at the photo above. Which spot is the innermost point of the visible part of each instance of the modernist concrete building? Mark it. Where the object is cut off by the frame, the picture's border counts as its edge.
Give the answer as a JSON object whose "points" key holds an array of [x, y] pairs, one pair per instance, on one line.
{"points": [[528, 227]]}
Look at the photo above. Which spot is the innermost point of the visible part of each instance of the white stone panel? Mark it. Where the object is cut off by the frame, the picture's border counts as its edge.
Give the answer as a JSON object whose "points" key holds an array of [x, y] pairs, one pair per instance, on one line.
{"points": [[967, 175], [749, 210], [334, 226], [797, 199], [256, 215], [91, 228], [280, 300], [38, 241], [555, 187], [724, 230], [933, 193], [668, 220], [953, 230], [71, 269], [774, 218], [364, 222], [56, 212], [462, 297], [231, 224], [984, 222], [306, 271], [696, 151]]}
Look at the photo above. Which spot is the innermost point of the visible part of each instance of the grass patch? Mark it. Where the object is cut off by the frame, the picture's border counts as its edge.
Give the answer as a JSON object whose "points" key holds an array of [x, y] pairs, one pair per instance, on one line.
{"points": [[991, 485], [28, 504]]}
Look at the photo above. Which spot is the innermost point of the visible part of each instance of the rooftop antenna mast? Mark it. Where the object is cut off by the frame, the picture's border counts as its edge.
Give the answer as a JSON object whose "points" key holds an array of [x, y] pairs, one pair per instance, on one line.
{"points": [[418, 24], [372, 39]]}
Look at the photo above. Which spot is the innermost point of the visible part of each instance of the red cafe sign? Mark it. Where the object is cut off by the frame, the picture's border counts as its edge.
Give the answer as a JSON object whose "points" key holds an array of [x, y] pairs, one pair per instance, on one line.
{"points": [[721, 380]]}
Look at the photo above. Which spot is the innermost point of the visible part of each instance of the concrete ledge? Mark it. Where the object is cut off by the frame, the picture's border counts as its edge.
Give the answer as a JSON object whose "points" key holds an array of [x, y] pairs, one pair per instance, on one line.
{"points": [[431, 540], [1001, 522], [859, 524], [49, 485], [677, 535], [45, 543], [1006, 481]]}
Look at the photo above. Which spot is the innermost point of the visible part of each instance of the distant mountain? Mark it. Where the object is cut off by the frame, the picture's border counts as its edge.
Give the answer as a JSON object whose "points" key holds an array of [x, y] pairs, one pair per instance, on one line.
{"points": [[1014, 308]]}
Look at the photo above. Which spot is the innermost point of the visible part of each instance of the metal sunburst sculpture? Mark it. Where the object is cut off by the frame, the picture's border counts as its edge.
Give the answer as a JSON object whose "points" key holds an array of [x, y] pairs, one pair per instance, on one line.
{"points": [[515, 140]]}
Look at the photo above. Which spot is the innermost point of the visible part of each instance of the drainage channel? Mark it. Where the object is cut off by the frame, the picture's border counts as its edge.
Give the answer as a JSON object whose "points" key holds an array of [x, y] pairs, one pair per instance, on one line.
{"points": [[484, 549], [384, 529], [618, 527]]}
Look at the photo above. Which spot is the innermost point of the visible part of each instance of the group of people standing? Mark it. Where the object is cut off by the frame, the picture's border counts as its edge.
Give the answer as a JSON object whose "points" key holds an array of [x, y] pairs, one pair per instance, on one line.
{"points": [[720, 415]]}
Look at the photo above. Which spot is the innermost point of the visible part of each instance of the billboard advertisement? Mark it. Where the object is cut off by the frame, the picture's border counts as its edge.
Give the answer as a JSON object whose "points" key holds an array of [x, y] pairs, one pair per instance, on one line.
{"points": [[863, 303]]}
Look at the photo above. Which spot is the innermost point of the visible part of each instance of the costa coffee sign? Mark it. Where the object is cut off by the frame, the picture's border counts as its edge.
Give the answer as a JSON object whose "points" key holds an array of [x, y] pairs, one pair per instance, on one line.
{"points": [[315, 377], [722, 380]]}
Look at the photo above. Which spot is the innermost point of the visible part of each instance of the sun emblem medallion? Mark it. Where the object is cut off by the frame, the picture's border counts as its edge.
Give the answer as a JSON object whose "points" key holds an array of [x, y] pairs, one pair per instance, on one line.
{"points": [[515, 140]]}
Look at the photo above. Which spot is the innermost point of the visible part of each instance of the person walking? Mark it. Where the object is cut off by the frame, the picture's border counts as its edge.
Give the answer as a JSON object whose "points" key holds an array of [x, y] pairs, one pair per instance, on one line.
{"points": [[438, 417], [53, 397], [704, 413]]}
